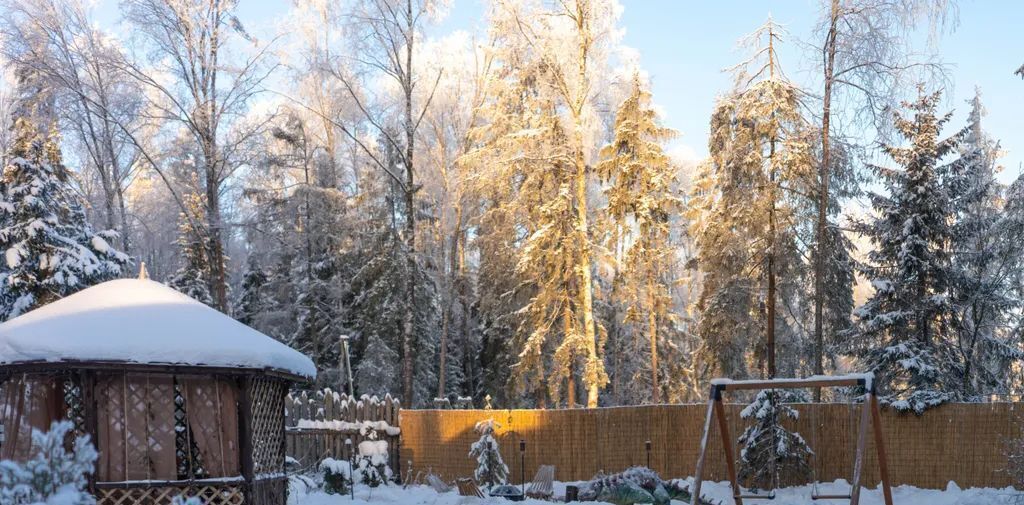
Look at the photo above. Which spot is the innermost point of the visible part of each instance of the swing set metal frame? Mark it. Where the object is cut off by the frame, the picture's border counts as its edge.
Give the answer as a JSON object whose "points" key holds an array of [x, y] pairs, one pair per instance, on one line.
{"points": [[870, 413]]}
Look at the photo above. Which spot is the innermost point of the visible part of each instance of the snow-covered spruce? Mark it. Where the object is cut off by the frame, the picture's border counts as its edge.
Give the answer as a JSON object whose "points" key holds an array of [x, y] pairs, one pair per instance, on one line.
{"points": [[769, 453], [192, 277], [490, 467], [902, 332], [49, 249], [53, 475]]}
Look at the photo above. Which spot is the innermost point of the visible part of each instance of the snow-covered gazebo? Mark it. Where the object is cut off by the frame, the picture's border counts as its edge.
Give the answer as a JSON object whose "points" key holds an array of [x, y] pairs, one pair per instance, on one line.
{"points": [[178, 397]]}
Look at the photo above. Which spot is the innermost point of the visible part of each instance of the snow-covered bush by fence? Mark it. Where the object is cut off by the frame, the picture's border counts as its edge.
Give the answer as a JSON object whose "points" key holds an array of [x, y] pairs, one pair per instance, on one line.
{"points": [[337, 474], [54, 475], [490, 467]]}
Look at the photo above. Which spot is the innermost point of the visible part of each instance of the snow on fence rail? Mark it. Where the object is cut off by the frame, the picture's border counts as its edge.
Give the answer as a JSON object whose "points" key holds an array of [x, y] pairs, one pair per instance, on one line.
{"points": [[319, 424], [327, 409]]}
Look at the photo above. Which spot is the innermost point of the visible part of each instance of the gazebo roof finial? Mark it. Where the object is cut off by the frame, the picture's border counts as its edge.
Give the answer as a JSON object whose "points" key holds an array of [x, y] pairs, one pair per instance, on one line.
{"points": [[143, 274]]}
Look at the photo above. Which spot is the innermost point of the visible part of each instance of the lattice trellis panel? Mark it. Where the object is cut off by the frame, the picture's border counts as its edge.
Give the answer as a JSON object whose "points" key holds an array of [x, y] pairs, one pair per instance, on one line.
{"points": [[74, 407], [189, 461], [268, 444], [208, 495], [267, 492]]}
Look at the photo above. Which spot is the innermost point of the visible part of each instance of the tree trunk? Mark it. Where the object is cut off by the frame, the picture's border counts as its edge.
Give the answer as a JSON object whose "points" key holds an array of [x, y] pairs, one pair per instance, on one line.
{"points": [[215, 247], [772, 291], [408, 338], [824, 174], [652, 331], [594, 366]]}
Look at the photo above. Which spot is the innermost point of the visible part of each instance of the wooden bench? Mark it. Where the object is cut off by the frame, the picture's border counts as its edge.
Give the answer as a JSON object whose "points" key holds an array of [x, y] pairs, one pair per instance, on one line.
{"points": [[468, 487], [542, 487]]}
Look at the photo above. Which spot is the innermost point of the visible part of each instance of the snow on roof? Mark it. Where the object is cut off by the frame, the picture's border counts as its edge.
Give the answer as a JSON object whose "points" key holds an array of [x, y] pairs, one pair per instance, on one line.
{"points": [[142, 321]]}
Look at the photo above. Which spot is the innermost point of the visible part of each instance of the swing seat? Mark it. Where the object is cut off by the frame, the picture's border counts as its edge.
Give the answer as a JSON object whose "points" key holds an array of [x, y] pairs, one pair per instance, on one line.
{"points": [[817, 495]]}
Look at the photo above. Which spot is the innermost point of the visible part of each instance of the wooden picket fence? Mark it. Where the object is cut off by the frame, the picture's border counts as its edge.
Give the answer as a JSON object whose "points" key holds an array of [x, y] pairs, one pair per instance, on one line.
{"points": [[328, 424]]}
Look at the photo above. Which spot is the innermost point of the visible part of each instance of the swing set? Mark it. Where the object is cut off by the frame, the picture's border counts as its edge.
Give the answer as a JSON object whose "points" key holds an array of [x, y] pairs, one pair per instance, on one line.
{"points": [[869, 414]]}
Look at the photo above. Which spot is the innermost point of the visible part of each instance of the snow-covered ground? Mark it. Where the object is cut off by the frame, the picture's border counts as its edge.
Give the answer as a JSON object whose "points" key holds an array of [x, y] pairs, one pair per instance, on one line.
{"points": [[902, 495]]}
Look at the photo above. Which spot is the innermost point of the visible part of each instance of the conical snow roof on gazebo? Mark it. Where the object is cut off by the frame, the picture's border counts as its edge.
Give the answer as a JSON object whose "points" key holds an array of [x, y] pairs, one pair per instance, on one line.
{"points": [[139, 321]]}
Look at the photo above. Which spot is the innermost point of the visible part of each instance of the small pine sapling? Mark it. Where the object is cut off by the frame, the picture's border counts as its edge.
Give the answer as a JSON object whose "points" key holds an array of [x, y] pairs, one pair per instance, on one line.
{"points": [[490, 467], [770, 453], [53, 474], [372, 462]]}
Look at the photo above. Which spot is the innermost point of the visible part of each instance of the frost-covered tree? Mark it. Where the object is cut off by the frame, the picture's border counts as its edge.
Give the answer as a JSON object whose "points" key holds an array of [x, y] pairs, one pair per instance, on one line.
{"points": [[252, 301], [745, 217], [491, 469], [903, 332], [567, 44], [50, 251], [377, 369], [985, 261], [192, 276], [868, 60], [93, 96], [53, 474], [199, 85], [641, 184], [769, 453]]}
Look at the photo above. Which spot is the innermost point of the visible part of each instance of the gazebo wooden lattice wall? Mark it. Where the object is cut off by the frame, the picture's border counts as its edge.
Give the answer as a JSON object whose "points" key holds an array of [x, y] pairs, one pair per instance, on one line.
{"points": [[178, 398]]}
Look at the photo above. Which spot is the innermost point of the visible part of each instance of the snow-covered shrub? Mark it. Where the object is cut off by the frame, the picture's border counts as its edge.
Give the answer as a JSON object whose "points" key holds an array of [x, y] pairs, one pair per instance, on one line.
{"points": [[768, 448], [337, 474], [372, 462], [186, 500], [490, 467], [638, 484], [53, 475]]}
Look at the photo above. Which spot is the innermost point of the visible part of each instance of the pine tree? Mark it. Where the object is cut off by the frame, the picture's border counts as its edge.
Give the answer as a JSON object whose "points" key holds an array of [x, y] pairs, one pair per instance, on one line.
{"points": [[192, 276], [490, 467], [641, 180], [745, 217], [50, 251], [54, 474], [770, 453], [252, 302], [983, 288], [903, 334], [377, 370]]}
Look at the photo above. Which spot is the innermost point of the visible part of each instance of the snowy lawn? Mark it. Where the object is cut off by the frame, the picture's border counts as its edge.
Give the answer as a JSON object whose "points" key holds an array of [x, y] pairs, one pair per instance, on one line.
{"points": [[902, 495]]}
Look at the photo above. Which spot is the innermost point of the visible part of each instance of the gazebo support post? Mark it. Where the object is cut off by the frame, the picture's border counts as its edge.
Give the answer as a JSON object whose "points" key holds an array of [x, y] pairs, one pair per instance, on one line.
{"points": [[87, 385], [245, 432]]}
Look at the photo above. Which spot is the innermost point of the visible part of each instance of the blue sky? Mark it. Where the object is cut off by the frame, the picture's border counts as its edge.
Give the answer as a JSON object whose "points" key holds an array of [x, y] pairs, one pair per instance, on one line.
{"points": [[684, 45]]}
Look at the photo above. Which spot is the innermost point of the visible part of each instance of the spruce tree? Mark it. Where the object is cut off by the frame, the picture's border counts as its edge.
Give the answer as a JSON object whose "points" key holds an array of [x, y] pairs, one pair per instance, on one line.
{"points": [[193, 275], [252, 302], [770, 453], [641, 183], [50, 251], [985, 258], [490, 467], [903, 330]]}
